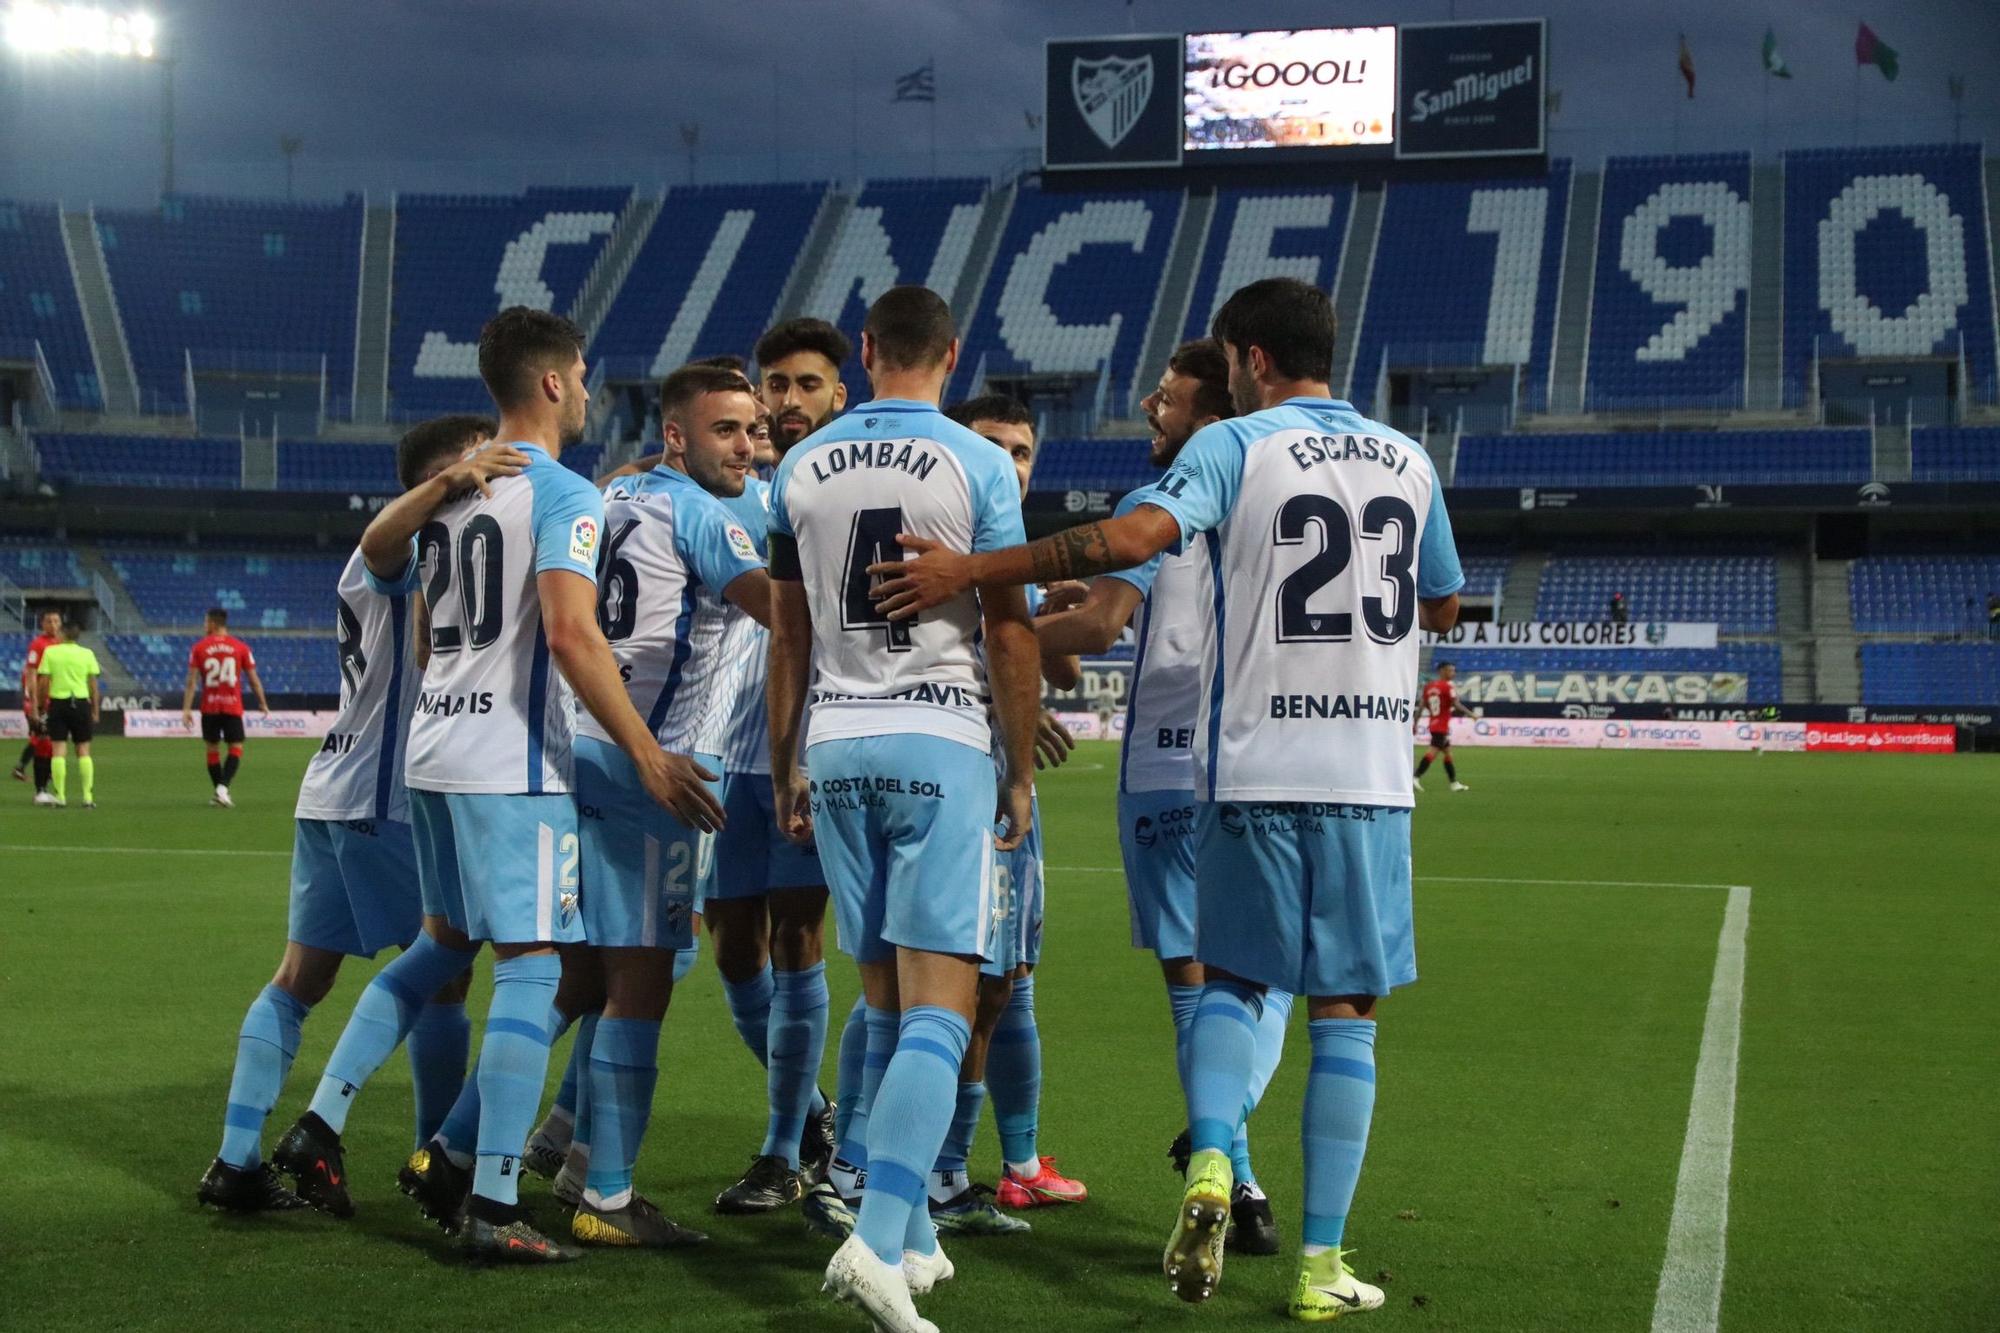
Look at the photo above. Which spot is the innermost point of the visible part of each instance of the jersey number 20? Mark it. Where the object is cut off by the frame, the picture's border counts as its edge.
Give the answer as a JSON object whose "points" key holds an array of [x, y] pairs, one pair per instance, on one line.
{"points": [[480, 564]]}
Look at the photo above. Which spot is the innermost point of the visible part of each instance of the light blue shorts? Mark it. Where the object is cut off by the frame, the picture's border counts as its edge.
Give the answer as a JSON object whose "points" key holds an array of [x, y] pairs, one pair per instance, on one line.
{"points": [[1156, 837], [1017, 903], [1306, 897], [904, 825], [641, 864], [752, 855], [500, 867], [354, 886]]}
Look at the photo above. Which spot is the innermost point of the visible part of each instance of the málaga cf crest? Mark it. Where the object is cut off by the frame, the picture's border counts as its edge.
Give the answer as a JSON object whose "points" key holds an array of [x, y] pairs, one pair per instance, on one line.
{"points": [[1111, 93]]}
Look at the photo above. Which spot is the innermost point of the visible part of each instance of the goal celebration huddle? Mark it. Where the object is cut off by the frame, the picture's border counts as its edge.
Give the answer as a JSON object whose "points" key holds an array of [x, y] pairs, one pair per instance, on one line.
{"points": [[791, 668]]}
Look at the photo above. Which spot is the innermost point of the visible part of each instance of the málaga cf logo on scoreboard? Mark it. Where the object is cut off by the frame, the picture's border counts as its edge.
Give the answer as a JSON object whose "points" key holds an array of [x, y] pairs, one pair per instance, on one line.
{"points": [[1111, 93]]}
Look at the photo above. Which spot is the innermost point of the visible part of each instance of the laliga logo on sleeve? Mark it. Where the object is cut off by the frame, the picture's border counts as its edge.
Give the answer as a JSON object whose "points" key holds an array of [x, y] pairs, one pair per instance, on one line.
{"points": [[583, 540], [739, 542], [1111, 93]]}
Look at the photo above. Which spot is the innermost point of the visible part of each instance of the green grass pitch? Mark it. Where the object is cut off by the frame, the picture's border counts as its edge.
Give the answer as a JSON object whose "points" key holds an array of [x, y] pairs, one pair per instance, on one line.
{"points": [[1534, 1086]]}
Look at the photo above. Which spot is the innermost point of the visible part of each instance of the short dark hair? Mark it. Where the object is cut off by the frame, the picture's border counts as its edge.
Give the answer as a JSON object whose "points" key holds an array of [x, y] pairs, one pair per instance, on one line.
{"points": [[1291, 320], [423, 444], [690, 382], [71, 627], [727, 361], [216, 613], [1442, 666], [804, 335], [911, 328], [520, 345], [1003, 408], [1203, 360]]}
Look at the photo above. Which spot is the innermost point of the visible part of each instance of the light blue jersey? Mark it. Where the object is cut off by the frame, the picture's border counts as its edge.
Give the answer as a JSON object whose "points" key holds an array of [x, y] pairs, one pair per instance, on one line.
{"points": [[746, 745], [670, 549], [358, 772]]}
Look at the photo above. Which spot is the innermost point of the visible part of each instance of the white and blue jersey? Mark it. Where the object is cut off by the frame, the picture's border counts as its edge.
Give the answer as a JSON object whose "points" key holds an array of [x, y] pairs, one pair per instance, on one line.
{"points": [[494, 715], [843, 494], [746, 744], [1175, 617], [358, 772], [670, 549], [1324, 530]]}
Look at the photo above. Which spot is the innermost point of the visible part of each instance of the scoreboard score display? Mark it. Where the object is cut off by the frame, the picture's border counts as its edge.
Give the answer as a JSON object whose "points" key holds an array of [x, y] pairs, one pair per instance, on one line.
{"points": [[1430, 90]]}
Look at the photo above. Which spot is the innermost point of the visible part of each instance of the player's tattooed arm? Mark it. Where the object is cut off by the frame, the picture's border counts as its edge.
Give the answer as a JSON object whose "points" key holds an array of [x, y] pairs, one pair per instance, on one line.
{"points": [[937, 575]]}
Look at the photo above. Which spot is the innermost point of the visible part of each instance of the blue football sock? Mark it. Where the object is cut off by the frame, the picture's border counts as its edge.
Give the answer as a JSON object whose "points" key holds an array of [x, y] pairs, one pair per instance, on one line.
{"points": [[1221, 1051], [1270, 1048], [459, 1134], [1183, 1000], [513, 1063], [624, 1068], [1340, 1099], [572, 1079], [1014, 1077], [847, 1076], [440, 1042], [382, 1018], [583, 1125], [883, 1025], [265, 1046], [750, 1010], [957, 1148], [685, 959], [906, 1126], [795, 1043]]}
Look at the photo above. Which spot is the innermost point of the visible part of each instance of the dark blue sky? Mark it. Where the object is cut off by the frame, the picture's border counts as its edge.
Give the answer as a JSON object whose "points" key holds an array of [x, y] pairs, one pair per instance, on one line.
{"points": [[498, 94]]}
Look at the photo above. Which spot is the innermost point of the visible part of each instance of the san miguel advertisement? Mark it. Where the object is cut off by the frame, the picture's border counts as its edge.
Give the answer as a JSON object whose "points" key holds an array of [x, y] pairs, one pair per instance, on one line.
{"points": [[1472, 89]]}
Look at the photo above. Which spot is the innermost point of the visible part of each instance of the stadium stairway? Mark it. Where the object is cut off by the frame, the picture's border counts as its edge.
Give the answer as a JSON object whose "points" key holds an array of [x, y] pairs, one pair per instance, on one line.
{"points": [[1566, 364], [801, 284], [985, 250], [607, 275], [1892, 452], [1350, 285], [1795, 629], [370, 404], [1764, 389], [108, 347], [122, 613], [260, 464], [1523, 586], [117, 680], [1170, 311], [1836, 650]]}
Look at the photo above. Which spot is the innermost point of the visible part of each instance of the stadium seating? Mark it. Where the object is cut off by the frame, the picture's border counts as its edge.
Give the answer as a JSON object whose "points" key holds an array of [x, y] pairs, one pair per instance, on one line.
{"points": [[13, 655], [1485, 571], [141, 460], [1762, 663], [1898, 237], [1668, 313], [28, 565], [1737, 592], [1464, 274], [259, 591], [38, 302], [253, 284], [460, 258], [1665, 458], [1922, 594], [709, 276], [1935, 674], [330, 465], [287, 665], [1955, 453], [1262, 234], [1072, 288], [1093, 465]]}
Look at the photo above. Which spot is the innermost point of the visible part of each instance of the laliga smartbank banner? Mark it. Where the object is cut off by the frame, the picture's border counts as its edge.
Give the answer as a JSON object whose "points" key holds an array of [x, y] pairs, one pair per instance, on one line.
{"points": [[1574, 634], [299, 724]]}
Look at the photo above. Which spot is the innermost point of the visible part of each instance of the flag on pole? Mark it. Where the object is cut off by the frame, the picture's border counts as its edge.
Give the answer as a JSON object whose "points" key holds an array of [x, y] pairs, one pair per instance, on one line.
{"points": [[1687, 65], [919, 85], [1774, 63], [1872, 50]]}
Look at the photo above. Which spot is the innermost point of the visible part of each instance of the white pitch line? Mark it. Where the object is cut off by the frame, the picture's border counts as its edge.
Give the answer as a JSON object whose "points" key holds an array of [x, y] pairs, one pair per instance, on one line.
{"points": [[1574, 883], [139, 851], [1689, 1299]]}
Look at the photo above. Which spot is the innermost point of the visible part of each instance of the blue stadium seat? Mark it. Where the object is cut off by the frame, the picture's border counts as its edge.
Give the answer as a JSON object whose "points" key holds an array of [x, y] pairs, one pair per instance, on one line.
{"points": [[1093, 465], [1072, 289], [259, 591], [332, 465], [1738, 592], [1763, 663], [28, 564], [1667, 314], [141, 460], [1262, 234], [265, 286], [1665, 458], [1909, 267], [287, 665], [1955, 453], [1931, 674], [38, 302], [1922, 594], [708, 277], [1442, 291], [13, 655], [462, 258]]}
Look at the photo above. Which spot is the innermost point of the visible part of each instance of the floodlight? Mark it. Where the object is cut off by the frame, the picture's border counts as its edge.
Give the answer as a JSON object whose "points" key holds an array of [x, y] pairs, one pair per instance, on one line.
{"points": [[39, 28]]}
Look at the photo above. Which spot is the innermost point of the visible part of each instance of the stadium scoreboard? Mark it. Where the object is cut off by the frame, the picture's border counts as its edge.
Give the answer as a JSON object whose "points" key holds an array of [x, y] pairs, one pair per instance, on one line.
{"points": [[1418, 90]]}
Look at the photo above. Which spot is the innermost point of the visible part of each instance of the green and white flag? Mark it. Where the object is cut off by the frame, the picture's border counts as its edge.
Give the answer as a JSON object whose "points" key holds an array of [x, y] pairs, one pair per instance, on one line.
{"points": [[1774, 63]]}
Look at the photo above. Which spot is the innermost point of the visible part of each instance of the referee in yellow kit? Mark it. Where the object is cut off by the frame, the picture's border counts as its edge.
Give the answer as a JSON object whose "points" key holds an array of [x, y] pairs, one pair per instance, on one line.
{"points": [[69, 701]]}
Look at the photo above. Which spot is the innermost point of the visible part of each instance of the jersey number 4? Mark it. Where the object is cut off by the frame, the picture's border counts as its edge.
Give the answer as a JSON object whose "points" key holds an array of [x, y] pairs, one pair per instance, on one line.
{"points": [[1384, 519], [480, 564], [872, 541]]}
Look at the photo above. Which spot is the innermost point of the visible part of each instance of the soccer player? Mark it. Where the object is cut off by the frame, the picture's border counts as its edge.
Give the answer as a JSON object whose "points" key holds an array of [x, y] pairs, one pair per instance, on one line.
{"points": [[1330, 546], [766, 911], [1440, 705], [677, 570], [69, 700], [218, 664], [1157, 779], [38, 750], [353, 892], [903, 795], [509, 579]]}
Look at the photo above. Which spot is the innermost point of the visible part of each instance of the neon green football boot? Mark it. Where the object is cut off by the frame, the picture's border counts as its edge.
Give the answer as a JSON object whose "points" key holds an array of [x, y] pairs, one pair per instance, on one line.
{"points": [[1328, 1289], [1193, 1261]]}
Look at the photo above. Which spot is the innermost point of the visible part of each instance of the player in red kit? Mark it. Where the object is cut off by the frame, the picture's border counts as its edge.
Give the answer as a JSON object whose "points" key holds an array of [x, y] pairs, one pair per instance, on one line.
{"points": [[38, 750], [1440, 702], [218, 666]]}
